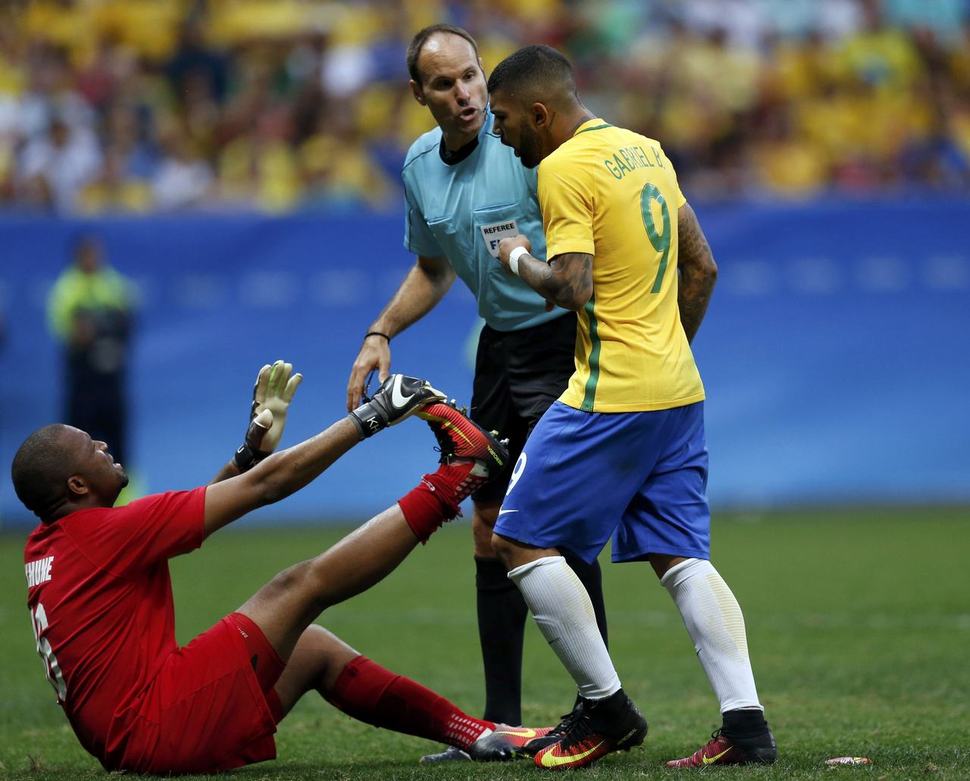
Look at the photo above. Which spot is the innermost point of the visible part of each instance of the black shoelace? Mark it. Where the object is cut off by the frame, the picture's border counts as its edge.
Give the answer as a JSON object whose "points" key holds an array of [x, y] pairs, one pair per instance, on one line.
{"points": [[566, 722], [445, 446], [579, 730]]}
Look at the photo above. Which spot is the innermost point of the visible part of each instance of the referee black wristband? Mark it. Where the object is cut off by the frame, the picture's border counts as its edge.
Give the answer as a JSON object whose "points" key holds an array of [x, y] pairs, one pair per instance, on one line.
{"points": [[378, 333]]}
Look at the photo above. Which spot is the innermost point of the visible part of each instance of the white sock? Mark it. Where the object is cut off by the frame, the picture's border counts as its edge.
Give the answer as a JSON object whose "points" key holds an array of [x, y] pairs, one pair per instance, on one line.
{"points": [[714, 621], [564, 613]]}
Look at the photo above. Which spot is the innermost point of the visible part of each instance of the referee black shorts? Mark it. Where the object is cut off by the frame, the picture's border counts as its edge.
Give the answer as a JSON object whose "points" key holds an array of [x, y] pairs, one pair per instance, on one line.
{"points": [[518, 375]]}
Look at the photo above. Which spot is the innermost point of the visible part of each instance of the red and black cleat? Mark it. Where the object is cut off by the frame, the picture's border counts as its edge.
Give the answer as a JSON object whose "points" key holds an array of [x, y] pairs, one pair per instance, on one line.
{"points": [[720, 750], [598, 728], [460, 439]]}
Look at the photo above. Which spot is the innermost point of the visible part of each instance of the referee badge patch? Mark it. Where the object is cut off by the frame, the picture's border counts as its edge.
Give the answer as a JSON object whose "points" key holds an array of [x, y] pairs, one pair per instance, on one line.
{"points": [[494, 232]]}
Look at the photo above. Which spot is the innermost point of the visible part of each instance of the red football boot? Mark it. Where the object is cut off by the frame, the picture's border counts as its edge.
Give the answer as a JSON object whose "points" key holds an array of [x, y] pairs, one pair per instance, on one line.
{"points": [[720, 750], [596, 729], [461, 440]]}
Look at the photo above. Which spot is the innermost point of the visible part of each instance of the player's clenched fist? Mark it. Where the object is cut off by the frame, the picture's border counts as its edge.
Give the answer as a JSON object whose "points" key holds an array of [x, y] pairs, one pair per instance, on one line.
{"points": [[505, 247]]}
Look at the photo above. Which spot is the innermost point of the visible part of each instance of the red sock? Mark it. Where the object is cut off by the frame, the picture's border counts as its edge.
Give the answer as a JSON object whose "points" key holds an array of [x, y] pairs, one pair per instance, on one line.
{"points": [[369, 693], [437, 497]]}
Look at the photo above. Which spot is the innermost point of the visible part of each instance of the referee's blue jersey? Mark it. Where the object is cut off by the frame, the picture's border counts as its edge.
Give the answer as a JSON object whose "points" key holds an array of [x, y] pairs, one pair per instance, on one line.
{"points": [[460, 211]]}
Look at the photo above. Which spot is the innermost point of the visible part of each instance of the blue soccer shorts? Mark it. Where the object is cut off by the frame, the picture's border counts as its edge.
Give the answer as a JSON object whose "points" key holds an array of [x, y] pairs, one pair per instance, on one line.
{"points": [[638, 476]]}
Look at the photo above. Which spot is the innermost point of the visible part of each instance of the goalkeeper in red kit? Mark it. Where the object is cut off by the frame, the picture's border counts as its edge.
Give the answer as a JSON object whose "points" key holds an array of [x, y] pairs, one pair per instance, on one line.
{"points": [[100, 597]]}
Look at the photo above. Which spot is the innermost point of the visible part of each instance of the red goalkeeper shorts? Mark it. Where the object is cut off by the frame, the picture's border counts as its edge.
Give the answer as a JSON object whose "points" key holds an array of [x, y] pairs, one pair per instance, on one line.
{"points": [[211, 707]]}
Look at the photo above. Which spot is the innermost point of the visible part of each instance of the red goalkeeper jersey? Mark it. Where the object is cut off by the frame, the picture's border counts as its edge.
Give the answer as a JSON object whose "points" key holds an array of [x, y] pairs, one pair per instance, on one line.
{"points": [[100, 600]]}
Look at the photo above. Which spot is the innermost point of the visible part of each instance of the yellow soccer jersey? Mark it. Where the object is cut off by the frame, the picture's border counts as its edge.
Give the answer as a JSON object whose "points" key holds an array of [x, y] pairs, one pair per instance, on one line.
{"points": [[613, 194]]}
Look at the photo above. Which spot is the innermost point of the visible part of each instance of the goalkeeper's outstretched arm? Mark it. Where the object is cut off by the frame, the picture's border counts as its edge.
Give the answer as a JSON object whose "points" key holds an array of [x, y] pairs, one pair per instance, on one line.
{"points": [[280, 474]]}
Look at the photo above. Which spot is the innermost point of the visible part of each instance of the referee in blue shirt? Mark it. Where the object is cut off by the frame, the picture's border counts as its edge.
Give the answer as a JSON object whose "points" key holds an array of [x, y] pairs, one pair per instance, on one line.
{"points": [[465, 191]]}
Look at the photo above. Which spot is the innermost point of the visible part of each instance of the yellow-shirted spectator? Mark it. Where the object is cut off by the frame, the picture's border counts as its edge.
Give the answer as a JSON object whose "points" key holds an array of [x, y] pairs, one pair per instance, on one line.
{"points": [[236, 21], [833, 122], [105, 196], [339, 170], [419, 14], [884, 59], [858, 99], [801, 69], [725, 76], [150, 27], [259, 171], [412, 119], [113, 190], [13, 71], [792, 167], [67, 25], [692, 122]]}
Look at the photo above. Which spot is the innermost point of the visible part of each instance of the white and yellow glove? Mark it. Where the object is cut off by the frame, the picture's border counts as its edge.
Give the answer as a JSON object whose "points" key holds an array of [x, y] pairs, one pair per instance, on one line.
{"points": [[274, 390]]}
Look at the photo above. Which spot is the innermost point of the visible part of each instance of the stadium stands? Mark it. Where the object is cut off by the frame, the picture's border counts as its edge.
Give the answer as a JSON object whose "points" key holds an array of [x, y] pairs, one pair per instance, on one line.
{"points": [[140, 105]]}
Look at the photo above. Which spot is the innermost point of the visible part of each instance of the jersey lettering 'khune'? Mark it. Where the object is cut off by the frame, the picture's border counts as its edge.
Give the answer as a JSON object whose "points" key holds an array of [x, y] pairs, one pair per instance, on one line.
{"points": [[100, 597]]}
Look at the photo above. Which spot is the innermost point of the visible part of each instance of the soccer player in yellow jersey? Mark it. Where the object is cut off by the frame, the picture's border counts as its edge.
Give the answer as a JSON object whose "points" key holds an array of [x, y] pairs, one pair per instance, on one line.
{"points": [[622, 452]]}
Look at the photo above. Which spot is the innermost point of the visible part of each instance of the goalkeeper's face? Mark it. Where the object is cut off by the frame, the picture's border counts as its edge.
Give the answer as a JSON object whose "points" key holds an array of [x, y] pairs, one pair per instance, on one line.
{"points": [[95, 470]]}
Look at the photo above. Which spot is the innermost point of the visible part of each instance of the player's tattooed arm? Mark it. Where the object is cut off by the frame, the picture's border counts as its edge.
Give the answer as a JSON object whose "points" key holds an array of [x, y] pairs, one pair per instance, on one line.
{"points": [[697, 269], [567, 279]]}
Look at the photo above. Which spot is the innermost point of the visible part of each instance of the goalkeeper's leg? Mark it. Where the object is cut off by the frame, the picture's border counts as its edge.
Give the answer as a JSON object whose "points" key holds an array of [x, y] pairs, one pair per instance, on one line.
{"points": [[284, 609], [365, 690], [290, 602]]}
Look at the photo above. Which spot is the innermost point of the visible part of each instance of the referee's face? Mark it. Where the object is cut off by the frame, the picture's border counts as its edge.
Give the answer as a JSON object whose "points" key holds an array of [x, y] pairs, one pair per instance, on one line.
{"points": [[452, 87]]}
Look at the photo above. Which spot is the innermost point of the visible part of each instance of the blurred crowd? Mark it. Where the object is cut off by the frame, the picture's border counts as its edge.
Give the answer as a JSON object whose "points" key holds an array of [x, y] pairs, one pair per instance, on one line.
{"points": [[277, 105]]}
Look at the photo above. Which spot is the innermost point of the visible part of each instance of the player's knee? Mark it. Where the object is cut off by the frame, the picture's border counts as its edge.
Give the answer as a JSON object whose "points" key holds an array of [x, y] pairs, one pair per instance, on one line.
{"points": [[289, 582], [316, 663], [329, 654], [504, 549], [484, 516], [326, 646], [483, 519]]}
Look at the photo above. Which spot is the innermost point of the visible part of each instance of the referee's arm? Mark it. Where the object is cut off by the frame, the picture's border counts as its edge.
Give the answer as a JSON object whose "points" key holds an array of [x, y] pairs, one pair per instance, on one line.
{"points": [[424, 286]]}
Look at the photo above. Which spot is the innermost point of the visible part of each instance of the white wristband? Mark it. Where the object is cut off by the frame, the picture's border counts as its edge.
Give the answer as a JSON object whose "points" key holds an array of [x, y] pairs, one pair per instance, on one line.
{"points": [[514, 256]]}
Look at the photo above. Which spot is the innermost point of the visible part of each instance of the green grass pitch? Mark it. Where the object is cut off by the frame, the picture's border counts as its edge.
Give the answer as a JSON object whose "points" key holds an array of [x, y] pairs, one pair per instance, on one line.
{"points": [[858, 626]]}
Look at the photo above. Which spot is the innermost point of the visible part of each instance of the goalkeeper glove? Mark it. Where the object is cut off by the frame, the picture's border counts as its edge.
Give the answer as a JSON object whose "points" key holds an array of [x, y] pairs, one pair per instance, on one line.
{"points": [[398, 397], [272, 393]]}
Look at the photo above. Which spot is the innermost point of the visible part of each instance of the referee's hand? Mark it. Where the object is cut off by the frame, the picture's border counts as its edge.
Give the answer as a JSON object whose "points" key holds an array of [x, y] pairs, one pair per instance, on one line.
{"points": [[375, 353]]}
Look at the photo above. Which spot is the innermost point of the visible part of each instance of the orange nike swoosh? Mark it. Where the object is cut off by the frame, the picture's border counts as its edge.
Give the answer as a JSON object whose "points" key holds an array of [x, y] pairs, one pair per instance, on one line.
{"points": [[548, 760], [716, 757]]}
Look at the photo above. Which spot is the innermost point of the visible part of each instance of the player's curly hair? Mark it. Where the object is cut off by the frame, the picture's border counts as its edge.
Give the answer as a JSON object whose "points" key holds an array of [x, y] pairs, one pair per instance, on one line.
{"points": [[40, 470], [532, 68], [421, 38]]}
